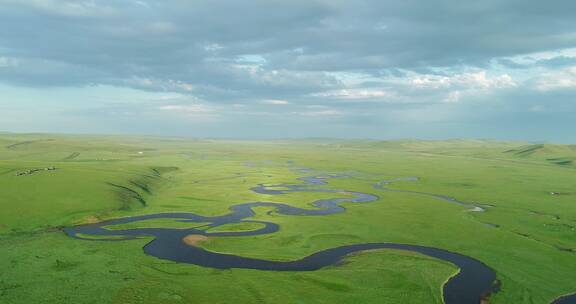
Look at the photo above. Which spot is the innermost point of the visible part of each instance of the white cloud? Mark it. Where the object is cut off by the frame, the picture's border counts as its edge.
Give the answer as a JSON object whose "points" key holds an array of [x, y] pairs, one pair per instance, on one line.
{"points": [[199, 113], [187, 109], [169, 97], [562, 79], [251, 59], [322, 113], [256, 74], [275, 102], [161, 85], [466, 81], [316, 107], [182, 85], [546, 55], [213, 47], [6, 62], [356, 94], [453, 97]]}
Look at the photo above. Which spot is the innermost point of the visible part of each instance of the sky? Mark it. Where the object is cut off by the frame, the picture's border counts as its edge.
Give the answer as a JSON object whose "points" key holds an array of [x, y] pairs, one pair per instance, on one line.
{"points": [[382, 69]]}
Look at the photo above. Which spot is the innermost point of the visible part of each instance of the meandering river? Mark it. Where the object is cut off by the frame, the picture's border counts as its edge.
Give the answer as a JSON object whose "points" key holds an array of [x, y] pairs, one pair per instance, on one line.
{"points": [[473, 282]]}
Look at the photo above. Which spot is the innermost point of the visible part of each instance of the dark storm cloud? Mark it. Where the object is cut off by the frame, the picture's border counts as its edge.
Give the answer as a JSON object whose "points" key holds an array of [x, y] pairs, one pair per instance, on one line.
{"points": [[199, 41]]}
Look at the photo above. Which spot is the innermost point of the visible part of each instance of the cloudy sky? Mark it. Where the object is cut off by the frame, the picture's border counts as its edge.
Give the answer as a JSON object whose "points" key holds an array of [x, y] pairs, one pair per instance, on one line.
{"points": [[503, 69]]}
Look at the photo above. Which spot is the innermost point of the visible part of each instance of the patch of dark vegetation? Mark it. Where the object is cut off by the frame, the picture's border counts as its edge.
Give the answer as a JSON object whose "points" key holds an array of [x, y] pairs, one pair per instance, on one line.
{"points": [[12, 146], [32, 171], [558, 193], [140, 186], [236, 175], [162, 170], [27, 142], [166, 269], [6, 287], [561, 155], [127, 195], [289, 240], [554, 216], [526, 150], [565, 249], [63, 265], [465, 185], [530, 237], [332, 286], [190, 198], [151, 176], [72, 156], [523, 235], [563, 162], [491, 225], [13, 232]]}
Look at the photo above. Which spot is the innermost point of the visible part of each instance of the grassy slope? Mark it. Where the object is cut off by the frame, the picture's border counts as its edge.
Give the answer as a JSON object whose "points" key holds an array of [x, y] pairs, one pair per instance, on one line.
{"points": [[38, 262]]}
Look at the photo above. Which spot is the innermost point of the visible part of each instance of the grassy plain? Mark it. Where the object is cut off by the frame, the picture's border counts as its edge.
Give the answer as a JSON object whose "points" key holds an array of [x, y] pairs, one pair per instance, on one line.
{"points": [[528, 235]]}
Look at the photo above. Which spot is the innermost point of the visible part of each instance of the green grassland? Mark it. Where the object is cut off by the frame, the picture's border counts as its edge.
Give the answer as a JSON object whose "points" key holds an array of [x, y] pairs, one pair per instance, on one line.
{"points": [[527, 234]]}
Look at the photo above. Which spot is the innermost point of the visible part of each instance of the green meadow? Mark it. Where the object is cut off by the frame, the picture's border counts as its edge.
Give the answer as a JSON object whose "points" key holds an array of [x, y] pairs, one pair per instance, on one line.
{"points": [[527, 233]]}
